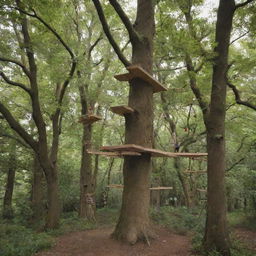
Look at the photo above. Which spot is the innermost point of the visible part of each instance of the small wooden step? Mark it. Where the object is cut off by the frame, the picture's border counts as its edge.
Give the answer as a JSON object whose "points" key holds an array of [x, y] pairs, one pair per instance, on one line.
{"points": [[138, 72], [121, 110], [89, 119]]}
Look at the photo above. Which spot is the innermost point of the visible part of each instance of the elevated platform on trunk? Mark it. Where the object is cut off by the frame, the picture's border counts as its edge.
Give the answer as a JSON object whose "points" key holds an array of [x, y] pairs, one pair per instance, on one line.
{"points": [[89, 119], [114, 154], [122, 110], [138, 72], [195, 172], [153, 152]]}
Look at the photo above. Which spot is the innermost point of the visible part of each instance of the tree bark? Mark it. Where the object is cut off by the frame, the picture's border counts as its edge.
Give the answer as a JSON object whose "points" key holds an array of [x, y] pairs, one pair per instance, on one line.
{"points": [[38, 196], [134, 223], [7, 204], [216, 232]]}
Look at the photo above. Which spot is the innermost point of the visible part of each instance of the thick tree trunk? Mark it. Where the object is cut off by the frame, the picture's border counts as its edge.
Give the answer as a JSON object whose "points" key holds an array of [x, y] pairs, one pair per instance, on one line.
{"points": [[7, 204], [134, 221], [216, 233], [38, 197], [87, 183], [53, 200]]}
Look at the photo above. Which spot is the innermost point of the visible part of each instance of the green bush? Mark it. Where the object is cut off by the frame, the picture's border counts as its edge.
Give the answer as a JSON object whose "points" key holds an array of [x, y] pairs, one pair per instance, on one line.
{"points": [[17, 240], [180, 220]]}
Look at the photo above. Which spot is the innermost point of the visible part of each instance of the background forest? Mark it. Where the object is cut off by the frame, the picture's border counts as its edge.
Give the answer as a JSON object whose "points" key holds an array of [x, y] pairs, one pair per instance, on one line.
{"points": [[57, 65]]}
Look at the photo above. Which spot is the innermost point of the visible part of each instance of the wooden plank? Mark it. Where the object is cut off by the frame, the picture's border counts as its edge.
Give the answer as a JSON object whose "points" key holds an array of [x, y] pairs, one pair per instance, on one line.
{"points": [[161, 188], [153, 152], [201, 190], [121, 110], [115, 186], [136, 71], [153, 188], [114, 154], [196, 172], [89, 119]]}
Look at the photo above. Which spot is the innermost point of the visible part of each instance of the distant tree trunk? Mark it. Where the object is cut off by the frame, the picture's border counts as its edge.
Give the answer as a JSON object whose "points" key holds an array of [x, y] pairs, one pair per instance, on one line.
{"points": [[133, 223], [216, 232], [38, 196], [184, 184], [7, 204]]}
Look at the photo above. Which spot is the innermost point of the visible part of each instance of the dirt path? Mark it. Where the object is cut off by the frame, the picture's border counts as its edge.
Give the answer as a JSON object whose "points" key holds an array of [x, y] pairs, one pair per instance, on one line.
{"points": [[98, 243], [247, 237]]}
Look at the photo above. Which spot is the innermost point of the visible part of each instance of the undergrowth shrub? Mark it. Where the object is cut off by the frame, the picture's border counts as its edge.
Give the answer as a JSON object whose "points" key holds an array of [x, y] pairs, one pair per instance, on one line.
{"points": [[17, 240], [180, 220]]}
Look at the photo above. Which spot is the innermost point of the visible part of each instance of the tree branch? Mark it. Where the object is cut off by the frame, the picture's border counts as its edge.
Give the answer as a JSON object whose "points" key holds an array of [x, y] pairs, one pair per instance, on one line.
{"points": [[108, 33], [3, 134], [20, 85], [234, 164], [243, 4], [126, 21], [93, 46], [34, 15], [14, 124], [25, 70], [73, 59], [238, 99], [236, 39]]}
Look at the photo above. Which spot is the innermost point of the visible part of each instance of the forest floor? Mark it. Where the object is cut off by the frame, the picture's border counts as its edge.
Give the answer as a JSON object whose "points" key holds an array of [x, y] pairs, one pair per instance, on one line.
{"points": [[247, 237], [98, 243]]}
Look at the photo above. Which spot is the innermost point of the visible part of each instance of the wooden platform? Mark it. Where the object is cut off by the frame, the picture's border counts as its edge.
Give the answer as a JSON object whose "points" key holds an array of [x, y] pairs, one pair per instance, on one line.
{"points": [[89, 119], [153, 152], [122, 110], [138, 72], [114, 154]]}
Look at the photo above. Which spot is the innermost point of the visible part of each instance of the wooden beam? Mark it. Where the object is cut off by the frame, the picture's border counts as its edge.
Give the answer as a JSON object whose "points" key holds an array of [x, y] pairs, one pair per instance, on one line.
{"points": [[115, 186], [122, 110], [114, 154], [196, 172], [138, 72], [89, 119], [201, 190], [153, 152], [161, 188], [154, 188]]}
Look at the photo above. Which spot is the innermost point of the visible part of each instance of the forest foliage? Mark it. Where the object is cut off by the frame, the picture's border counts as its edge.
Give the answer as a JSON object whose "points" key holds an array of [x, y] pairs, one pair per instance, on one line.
{"points": [[75, 36]]}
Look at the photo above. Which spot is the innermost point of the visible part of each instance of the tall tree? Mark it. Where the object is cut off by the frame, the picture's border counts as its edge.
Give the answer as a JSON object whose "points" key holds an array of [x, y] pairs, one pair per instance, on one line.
{"points": [[45, 152], [133, 223], [216, 232]]}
